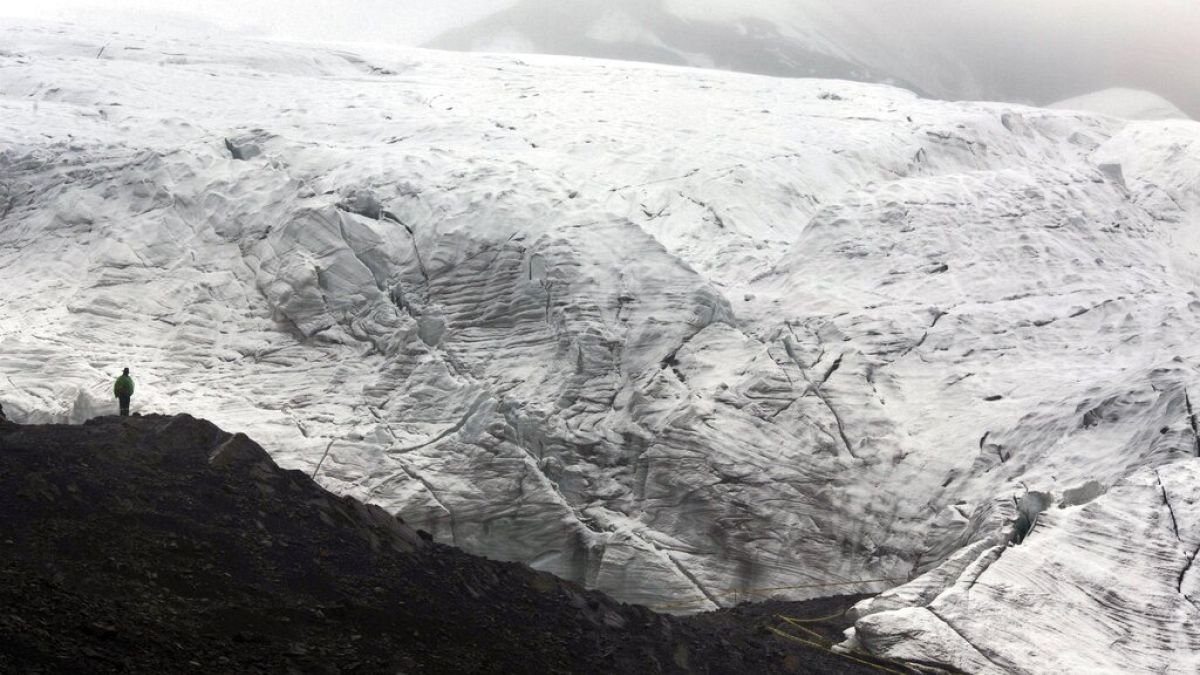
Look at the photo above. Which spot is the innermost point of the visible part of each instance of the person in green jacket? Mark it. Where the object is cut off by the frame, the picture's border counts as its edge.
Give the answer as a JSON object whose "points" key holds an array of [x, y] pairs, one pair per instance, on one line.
{"points": [[123, 390]]}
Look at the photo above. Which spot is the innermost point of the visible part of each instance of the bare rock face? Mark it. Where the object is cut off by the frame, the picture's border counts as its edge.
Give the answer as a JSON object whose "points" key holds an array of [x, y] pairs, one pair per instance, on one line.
{"points": [[679, 336]]}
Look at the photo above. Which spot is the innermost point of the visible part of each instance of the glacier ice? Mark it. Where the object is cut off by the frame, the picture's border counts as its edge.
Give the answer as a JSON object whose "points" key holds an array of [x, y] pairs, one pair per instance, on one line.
{"points": [[1103, 587], [692, 338]]}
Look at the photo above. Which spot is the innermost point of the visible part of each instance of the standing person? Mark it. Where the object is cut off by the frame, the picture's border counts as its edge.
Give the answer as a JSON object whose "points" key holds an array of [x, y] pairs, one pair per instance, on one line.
{"points": [[123, 390]]}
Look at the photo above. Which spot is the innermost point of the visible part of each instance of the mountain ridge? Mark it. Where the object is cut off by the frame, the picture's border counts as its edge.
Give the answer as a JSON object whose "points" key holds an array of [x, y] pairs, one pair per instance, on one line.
{"points": [[656, 32]]}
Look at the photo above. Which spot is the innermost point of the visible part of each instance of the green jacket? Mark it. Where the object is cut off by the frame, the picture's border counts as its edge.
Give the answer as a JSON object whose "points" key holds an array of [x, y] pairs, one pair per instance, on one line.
{"points": [[123, 386]]}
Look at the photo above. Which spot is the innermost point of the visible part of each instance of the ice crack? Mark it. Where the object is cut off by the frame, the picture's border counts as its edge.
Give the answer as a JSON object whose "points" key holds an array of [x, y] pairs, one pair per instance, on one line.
{"points": [[815, 388], [323, 456], [384, 214], [1187, 398], [1183, 574], [687, 574], [937, 317], [433, 495], [837, 363], [978, 650], [1191, 559], [1167, 502], [717, 220], [455, 428]]}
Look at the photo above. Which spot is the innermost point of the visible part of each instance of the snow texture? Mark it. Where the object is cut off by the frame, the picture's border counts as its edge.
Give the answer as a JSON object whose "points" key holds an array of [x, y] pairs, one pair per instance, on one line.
{"points": [[679, 335], [1104, 587]]}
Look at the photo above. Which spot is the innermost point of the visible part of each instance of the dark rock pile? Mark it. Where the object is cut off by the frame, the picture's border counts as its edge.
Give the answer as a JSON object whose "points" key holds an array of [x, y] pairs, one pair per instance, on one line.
{"points": [[165, 545]]}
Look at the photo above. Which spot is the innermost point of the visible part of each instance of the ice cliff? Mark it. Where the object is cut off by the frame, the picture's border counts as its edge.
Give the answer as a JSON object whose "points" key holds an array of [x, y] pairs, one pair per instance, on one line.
{"points": [[689, 337]]}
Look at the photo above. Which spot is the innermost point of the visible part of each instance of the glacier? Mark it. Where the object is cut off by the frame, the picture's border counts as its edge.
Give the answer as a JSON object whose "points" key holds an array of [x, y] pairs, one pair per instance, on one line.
{"points": [[692, 338]]}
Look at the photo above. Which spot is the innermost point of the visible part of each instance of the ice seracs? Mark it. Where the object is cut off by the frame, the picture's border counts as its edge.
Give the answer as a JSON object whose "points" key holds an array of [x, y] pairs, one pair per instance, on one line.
{"points": [[683, 336], [1090, 592]]}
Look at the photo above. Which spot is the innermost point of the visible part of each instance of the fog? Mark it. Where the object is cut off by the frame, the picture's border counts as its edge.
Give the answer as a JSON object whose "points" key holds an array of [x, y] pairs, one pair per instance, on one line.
{"points": [[407, 22], [1034, 51], [1045, 50]]}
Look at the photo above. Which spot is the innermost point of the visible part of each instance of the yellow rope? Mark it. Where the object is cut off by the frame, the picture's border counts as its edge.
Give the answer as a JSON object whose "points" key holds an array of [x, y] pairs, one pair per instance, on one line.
{"points": [[797, 623], [766, 591], [793, 620], [810, 632], [793, 638], [823, 648], [798, 627]]}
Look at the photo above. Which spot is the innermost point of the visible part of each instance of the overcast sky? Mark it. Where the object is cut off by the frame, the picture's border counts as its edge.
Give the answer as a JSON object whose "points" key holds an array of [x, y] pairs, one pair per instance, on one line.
{"points": [[1039, 48], [1084, 45], [407, 22]]}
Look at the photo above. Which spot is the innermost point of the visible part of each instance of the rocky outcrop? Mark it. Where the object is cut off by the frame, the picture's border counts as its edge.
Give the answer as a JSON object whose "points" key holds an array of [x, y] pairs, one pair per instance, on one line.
{"points": [[152, 544]]}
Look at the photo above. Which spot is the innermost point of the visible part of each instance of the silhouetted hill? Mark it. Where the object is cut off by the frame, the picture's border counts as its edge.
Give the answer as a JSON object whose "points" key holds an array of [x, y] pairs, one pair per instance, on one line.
{"points": [[163, 544]]}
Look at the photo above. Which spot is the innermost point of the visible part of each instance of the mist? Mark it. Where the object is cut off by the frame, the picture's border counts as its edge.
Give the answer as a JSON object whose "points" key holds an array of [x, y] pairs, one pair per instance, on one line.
{"points": [[1028, 51], [1047, 50], [404, 22]]}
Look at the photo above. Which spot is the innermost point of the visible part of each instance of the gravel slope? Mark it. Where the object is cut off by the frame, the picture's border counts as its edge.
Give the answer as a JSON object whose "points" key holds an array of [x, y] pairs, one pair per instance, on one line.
{"points": [[162, 544]]}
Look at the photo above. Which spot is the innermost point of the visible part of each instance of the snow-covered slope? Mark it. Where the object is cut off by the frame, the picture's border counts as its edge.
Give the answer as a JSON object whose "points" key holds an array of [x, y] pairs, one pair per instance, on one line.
{"points": [[1131, 104], [689, 337], [952, 49]]}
